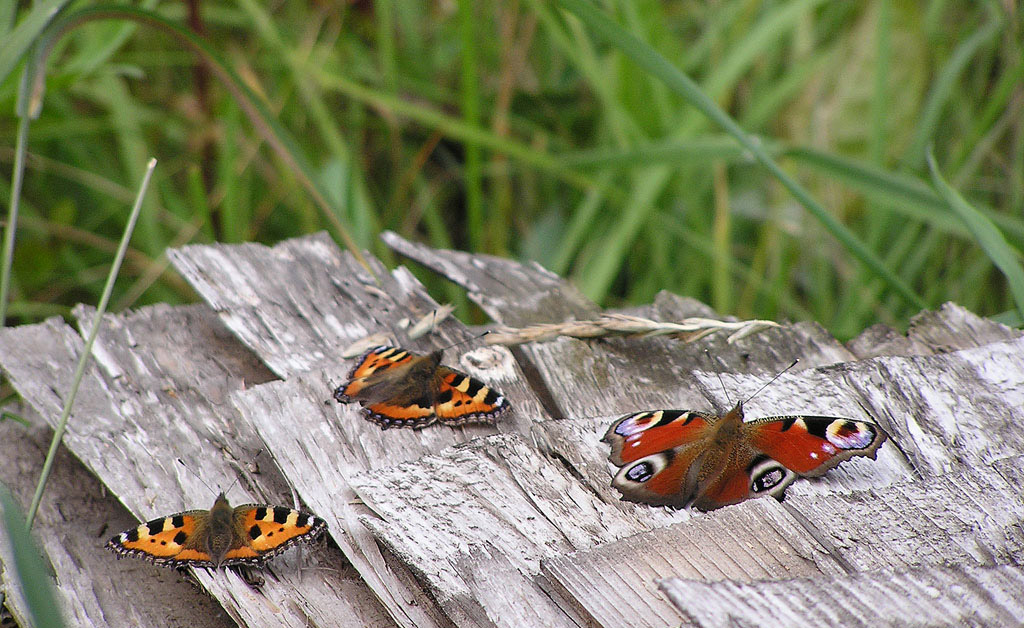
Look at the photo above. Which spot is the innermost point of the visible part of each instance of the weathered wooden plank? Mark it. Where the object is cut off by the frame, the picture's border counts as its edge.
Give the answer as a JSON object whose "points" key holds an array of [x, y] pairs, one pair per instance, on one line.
{"points": [[616, 583], [971, 516], [950, 328], [496, 498], [492, 499], [308, 291], [296, 328], [320, 445], [617, 376], [968, 516], [934, 596], [130, 436], [509, 292], [74, 521]]}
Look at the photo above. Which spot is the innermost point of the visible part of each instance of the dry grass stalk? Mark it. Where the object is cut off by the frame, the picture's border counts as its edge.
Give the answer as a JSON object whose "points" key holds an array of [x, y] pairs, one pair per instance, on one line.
{"points": [[687, 330]]}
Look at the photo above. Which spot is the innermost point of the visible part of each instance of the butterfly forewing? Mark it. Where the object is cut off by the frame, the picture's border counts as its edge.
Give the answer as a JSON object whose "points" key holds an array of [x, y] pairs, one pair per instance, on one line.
{"points": [[811, 445], [269, 530], [641, 434], [163, 540]]}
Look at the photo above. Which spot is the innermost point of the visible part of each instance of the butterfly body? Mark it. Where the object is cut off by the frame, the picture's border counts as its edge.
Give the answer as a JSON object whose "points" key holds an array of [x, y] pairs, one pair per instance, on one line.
{"points": [[398, 388], [684, 457], [221, 536]]}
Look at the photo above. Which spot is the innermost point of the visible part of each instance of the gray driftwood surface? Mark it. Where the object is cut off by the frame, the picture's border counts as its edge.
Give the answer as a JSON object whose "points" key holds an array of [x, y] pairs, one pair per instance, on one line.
{"points": [[513, 524]]}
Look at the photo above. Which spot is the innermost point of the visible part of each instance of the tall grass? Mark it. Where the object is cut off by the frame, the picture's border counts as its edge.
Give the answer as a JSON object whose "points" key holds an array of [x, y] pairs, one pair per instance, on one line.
{"points": [[522, 128]]}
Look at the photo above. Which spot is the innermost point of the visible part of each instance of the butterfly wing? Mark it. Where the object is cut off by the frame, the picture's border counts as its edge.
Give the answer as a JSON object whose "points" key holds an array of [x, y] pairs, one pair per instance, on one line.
{"points": [[401, 412], [394, 386], [166, 541], [771, 453], [262, 531], [371, 370], [659, 455], [402, 389], [811, 445], [461, 399]]}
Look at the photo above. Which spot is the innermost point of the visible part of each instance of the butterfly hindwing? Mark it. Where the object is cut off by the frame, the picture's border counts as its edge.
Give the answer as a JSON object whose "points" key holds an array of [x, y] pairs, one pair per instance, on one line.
{"points": [[398, 388], [270, 530], [462, 399], [414, 413]]}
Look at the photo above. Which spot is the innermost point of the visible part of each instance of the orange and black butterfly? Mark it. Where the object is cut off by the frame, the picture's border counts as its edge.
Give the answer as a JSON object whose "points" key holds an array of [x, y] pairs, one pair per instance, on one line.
{"points": [[220, 536], [398, 388]]}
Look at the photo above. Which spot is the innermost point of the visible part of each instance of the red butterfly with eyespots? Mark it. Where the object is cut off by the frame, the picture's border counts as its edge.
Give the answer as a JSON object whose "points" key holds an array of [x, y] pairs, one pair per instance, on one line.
{"points": [[683, 457], [398, 388]]}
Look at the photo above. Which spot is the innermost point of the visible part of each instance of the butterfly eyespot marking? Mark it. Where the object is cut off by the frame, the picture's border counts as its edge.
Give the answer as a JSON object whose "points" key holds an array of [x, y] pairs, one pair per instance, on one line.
{"points": [[644, 469], [766, 475], [849, 435]]}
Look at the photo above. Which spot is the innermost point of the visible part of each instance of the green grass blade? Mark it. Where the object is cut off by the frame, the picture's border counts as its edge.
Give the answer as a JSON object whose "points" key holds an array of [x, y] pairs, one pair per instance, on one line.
{"points": [[101, 309], [29, 570], [649, 59], [897, 191], [944, 87], [12, 214], [275, 134], [470, 93], [26, 33], [986, 233]]}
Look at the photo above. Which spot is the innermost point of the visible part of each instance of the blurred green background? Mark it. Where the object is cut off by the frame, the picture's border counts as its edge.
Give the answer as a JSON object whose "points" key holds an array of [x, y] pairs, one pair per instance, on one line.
{"points": [[517, 128]]}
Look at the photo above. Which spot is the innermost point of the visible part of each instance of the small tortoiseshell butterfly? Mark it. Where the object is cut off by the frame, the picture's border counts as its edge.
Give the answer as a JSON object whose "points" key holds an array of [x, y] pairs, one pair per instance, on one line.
{"points": [[222, 535], [681, 457], [398, 388]]}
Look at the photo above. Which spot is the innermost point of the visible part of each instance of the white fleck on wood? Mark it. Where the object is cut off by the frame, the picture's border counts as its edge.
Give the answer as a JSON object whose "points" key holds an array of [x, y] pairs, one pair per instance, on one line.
{"points": [[935, 596], [131, 422]]}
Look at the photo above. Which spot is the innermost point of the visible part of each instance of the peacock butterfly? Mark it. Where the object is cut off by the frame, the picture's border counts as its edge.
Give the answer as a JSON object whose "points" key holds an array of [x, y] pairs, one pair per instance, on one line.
{"points": [[684, 457]]}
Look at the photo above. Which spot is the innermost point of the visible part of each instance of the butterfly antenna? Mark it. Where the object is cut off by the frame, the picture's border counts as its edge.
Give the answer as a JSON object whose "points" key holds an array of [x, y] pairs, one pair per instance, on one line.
{"points": [[711, 363], [196, 475], [462, 342], [769, 382]]}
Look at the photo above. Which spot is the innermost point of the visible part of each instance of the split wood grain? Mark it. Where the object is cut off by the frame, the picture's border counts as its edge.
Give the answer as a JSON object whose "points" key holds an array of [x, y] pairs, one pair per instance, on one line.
{"points": [[75, 518], [925, 597], [129, 431], [326, 301]]}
